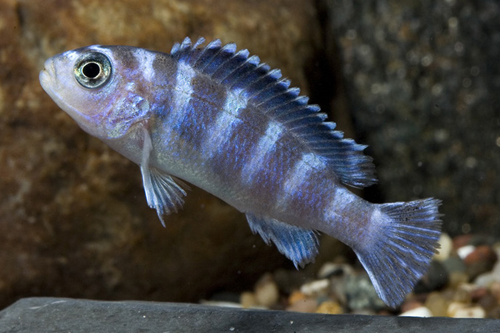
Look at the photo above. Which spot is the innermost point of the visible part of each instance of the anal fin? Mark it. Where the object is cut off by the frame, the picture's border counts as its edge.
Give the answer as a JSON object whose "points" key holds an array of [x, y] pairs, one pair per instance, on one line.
{"points": [[297, 244]]}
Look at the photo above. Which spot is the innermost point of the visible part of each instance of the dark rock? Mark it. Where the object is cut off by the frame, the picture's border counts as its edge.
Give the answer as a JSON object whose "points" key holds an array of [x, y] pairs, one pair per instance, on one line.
{"points": [[422, 81], [73, 216], [68, 315], [454, 264], [435, 278]]}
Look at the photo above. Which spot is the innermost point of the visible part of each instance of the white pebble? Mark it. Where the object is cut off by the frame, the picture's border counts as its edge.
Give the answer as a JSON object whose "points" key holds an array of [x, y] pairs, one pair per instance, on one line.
{"points": [[421, 311], [464, 251], [330, 268], [470, 312], [486, 279], [446, 247], [315, 288]]}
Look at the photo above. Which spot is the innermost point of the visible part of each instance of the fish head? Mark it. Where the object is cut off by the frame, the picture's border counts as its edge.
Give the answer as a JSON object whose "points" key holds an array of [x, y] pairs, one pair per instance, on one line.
{"points": [[98, 87]]}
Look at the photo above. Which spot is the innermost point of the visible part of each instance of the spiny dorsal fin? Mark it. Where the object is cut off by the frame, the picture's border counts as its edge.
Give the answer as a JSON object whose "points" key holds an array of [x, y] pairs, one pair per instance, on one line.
{"points": [[272, 95]]}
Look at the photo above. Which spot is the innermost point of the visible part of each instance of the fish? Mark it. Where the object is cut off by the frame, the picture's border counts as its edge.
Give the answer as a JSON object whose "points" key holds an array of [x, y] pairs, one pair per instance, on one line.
{"points": [[222, 120]]}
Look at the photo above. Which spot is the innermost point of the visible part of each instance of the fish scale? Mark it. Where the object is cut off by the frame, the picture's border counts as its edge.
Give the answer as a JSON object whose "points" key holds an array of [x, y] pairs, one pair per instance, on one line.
{"points": [[222, 120]]}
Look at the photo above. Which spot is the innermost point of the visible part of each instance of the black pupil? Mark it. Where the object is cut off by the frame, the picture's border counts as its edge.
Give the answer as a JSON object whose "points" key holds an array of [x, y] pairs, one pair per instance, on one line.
{"points": [[91, 70]]}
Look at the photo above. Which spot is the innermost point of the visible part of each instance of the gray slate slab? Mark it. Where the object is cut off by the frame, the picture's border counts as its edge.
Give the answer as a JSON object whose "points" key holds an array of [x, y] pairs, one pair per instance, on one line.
{"points": [[75, 315]]}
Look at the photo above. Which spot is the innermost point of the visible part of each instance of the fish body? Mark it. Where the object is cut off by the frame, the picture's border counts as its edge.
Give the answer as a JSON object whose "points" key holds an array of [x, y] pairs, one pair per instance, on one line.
{"points": [[221, 120]]}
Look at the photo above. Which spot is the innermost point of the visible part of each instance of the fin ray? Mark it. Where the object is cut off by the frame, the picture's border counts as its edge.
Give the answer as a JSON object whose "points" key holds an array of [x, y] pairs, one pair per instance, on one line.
{"points": [[297, 244], [401, 248], [162, 191], [273, 96]]}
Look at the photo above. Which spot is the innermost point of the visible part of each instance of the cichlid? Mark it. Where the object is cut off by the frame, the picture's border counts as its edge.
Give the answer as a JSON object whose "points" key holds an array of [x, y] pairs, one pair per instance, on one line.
{"points": [[227, 123]]}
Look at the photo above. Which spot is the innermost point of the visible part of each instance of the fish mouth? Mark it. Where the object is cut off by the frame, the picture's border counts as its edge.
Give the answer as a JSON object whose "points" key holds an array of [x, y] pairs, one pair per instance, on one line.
{"points": [[46, 76], [45, 80]]}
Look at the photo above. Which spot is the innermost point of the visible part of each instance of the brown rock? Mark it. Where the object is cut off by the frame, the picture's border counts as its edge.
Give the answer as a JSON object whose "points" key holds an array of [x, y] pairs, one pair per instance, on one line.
{"points": [[73, 217], [481, 260]]}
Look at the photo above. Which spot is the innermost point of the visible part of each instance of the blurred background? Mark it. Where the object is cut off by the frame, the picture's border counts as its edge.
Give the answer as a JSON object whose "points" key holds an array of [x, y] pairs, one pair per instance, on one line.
{"points": [[416, 81]]}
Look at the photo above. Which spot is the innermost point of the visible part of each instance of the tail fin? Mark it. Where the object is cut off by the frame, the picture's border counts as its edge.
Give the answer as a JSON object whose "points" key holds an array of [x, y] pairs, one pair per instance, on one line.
{"points": [[404, 236]]}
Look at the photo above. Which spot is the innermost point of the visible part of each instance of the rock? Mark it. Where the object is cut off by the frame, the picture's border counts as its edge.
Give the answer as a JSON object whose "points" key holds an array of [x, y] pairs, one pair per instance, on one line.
{"points": [[73, 215], [470, 312], [410, 304], [266, 291], [78, 316], [296, 296], [462, 240], [316, 288], [481, 260], [435, 278], [488, 302], [361, 294], [437, 304], [454, 264], [307, 305], [247, 300], [446, 247], [420, 79], [464, 251], [457, 279], [486, 279], [421, 311], [330, 307], [330, 269], [495, 290], [454, 307]]}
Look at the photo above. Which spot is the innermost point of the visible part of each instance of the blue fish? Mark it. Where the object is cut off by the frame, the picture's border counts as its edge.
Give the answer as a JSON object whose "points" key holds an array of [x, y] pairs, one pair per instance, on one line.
{"points": [[222, 120]]}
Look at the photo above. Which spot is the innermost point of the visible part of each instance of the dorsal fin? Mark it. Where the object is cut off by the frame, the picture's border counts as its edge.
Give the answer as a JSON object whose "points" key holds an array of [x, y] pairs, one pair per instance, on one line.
{"points": [[270, 93]]}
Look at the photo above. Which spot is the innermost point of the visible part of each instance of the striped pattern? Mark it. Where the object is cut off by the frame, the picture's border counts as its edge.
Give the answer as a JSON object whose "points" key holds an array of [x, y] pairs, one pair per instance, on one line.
{"points": [[262, 152], [272, 96], [298, 178], [146, 60], [218, 135], [182, 93]]}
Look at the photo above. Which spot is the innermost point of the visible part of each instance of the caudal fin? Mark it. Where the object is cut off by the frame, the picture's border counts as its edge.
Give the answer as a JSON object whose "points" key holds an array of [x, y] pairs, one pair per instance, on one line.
{"points": [[403, 239]]}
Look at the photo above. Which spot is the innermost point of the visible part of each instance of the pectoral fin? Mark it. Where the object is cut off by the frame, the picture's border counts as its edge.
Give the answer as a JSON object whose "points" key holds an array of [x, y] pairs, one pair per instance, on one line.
{"points": [[297, 244], [162, 191]]}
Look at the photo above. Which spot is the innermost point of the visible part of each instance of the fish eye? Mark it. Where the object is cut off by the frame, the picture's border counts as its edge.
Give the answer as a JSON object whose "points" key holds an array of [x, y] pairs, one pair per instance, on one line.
{"points": [[92, 70]]}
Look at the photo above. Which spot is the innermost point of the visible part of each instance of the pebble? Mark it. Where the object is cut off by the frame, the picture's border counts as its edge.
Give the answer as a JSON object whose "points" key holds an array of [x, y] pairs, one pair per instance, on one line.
{"points": [[488, 302], [437, 304], [465, 250], [296, 296], [410, 305], [330, 269], [315, 288], [463, 281], [486, 279], [454, 264], [453, 307], [248, 300], [330, 307], [435, 278], [456, 279], [495, 290], [360, 293], [479, 261], [307, 305], [462, 240], [469, 312], [421, 311], [446, 247], [266, 291]]}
